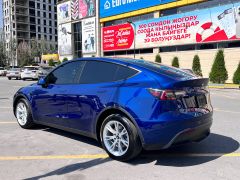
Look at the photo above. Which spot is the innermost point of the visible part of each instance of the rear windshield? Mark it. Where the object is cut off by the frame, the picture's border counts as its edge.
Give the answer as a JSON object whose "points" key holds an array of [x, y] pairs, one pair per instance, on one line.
{"points": [[46, 68], [15, 69], [30, 68], [162, 69]]}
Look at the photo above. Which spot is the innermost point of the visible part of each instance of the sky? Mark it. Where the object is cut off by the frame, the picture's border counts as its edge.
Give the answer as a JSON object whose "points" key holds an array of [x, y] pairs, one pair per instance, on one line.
{"points": [[1, 17]]}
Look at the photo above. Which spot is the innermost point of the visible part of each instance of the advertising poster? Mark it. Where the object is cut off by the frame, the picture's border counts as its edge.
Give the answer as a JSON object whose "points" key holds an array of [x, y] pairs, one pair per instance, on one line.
{"points": [[118, 37], [208, 25], [115, 7], [89, 35], [64, 12], [65, 39], [82, 9]]}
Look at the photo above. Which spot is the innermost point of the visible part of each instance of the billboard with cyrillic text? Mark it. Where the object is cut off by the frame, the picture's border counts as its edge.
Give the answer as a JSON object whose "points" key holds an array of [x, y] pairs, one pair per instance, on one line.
{"points": [[208, 25], [114, 7]]}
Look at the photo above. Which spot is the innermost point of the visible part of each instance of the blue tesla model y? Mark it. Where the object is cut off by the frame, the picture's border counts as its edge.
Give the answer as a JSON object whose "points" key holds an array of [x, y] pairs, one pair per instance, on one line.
{"points": [[125, 104]]}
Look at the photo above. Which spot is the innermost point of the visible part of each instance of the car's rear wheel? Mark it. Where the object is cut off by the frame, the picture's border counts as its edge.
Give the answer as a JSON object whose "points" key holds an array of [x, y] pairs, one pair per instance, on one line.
{"points": [[9, 78], [119, 138], [23, 114]]}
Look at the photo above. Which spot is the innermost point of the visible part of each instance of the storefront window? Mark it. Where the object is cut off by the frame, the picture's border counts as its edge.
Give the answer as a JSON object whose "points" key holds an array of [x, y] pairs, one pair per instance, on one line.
{"points": [[77, 39]]}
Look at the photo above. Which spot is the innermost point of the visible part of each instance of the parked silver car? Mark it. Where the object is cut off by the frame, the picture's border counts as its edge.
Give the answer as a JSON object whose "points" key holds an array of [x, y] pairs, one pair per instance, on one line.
{"points": [[14, 73], [3, 71]]}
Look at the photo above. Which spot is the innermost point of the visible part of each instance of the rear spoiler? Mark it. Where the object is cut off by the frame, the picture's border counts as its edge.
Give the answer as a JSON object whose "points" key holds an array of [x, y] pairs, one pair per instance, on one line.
{"points": [[200, 82]]}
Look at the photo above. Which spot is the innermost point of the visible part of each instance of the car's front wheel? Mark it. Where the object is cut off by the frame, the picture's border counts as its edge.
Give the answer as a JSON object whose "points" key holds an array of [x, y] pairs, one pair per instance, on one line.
{"points": [[119, 138], [23, 114]]}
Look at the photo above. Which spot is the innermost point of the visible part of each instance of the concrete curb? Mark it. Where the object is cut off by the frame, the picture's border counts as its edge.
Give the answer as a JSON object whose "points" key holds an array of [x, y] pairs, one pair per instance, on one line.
{"points": [[224, 86]]}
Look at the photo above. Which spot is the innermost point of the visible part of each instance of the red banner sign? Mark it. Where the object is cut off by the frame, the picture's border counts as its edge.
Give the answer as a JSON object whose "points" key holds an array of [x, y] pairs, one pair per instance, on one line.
{"points": [[118, 37]]}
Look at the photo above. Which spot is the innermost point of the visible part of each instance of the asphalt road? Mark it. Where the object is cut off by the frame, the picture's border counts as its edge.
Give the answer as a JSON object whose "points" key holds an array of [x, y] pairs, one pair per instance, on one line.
{"points": [[47, 153]]}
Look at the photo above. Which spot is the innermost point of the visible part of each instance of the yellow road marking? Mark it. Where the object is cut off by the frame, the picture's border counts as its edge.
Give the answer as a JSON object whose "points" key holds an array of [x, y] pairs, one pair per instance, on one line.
{"points": [[8, 122], [84, 156], [104, 156], [220, 110]]}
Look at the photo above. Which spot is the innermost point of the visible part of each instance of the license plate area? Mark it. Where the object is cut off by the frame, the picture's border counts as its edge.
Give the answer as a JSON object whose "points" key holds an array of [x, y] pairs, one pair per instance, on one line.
{"points": [[190, 102], [201, 101], [198, 101]]}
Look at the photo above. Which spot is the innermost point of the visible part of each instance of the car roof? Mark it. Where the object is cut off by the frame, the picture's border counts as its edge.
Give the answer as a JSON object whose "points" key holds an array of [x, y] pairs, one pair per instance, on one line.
{"points": [[141, 64]]}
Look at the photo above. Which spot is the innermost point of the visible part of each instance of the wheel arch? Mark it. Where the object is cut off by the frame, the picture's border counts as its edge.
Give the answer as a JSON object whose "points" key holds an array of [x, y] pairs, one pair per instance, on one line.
{"points": [[16, 99], [114, 110]]}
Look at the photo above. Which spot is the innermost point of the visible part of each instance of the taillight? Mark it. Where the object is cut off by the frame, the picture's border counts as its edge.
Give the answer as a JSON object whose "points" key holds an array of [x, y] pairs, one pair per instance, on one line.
{"points": [[166, 94]]}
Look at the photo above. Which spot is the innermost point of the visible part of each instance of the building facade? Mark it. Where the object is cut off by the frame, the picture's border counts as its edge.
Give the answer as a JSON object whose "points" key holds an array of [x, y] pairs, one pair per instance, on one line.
{"points": [[78, 28], [182, 28], [1, 35], [25, 20]]}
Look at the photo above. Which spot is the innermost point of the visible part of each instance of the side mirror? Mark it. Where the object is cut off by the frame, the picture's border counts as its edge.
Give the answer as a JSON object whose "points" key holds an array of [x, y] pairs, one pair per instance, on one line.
{"points": [[42, 82]]}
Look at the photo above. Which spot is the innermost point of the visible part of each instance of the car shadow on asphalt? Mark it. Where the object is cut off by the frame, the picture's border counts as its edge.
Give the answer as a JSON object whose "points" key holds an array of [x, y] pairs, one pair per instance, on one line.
{"points": [[208, 150], [214, 147], [73, 136], [71, 168]]}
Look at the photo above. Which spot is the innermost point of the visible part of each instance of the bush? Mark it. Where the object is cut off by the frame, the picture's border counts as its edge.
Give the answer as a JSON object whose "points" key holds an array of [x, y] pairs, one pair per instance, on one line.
{"points": [[236, 76], [65, 59], [58, 63], [141, 57], [158, 59], [175, 62], [51, 62], [196, 66], [218, 73]]}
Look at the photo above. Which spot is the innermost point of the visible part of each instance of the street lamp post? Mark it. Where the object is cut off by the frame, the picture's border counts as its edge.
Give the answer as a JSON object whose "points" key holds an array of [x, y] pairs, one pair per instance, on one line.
{"points": [[134, 25]]}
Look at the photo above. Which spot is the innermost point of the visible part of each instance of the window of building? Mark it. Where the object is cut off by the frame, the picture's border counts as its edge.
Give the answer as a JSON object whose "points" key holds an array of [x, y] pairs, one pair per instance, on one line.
{"points": [[77, 27]]}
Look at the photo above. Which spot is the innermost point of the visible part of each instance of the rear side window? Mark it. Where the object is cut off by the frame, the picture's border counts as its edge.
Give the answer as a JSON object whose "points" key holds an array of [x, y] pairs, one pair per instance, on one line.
{"points": [[124, 73], [166, 70], [66, 74], [98, 72]]}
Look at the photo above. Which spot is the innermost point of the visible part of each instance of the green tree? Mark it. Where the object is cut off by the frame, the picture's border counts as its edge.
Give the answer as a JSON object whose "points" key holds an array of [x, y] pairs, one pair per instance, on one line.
{"points": [[65, 59], [196, 66], [11, 54], [236, 76], [218, 72], [175, 62], [51, 62], [158, 58], [44, 48], [3, 56], [58, 63], [24, 54]]}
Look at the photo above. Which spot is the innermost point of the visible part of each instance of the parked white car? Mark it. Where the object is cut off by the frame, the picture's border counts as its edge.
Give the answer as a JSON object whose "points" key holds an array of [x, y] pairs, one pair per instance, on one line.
{"points": [[30, 72], [3, 71]]}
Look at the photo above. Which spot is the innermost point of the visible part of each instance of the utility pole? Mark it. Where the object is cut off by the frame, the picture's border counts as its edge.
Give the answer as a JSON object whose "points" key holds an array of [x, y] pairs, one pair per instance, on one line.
{"points": [[134, 26]]}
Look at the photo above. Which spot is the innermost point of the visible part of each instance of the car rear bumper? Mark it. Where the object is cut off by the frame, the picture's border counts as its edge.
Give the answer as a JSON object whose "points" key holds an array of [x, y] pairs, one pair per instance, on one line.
{"points": [[14, 75], [164, 135], [29, 76]]}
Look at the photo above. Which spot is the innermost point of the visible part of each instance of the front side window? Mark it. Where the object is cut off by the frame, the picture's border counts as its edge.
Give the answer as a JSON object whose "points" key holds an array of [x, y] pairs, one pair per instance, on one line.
{"points": [[66, 74]]}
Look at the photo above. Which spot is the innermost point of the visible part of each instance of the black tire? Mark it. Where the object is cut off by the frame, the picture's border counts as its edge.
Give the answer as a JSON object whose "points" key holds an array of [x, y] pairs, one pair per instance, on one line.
{"points": [[29, 123], [9, 78], [135, 145]]}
